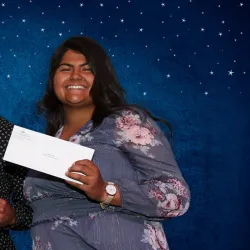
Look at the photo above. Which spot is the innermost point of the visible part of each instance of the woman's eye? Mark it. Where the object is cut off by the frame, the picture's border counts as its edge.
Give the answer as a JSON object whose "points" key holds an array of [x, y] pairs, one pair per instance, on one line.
{"points": [[65, 69], [86, 69]]}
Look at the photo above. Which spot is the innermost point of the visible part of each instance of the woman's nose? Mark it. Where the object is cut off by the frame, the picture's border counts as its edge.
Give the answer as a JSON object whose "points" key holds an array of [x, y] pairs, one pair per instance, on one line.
{"points": [[75, 75]]}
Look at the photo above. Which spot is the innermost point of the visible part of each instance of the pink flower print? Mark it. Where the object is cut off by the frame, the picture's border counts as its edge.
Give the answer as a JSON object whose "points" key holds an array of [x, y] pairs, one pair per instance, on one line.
{"points": [[171, 202], [179, 187], [139, 135], [75, 139], [152, 238], [154, 235], [127, 121], [48, 246], [159, 197], [161, 238]]}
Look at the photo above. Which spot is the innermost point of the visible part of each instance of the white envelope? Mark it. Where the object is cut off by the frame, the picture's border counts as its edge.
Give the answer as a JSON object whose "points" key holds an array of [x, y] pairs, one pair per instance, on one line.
{"points": [[44, 153]]}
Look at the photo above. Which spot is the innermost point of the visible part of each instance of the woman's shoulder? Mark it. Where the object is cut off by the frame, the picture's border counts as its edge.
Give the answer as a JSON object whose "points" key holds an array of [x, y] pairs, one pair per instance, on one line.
{"points": [[129, 111], [130, 117]]}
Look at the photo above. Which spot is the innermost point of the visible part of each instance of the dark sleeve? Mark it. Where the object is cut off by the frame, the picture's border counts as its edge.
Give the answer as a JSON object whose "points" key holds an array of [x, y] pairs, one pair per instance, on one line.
{"points": [[23, 212], [12, 179]]}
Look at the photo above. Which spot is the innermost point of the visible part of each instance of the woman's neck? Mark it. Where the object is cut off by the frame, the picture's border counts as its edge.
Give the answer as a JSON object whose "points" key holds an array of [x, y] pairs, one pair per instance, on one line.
{"points": [[76, 118]]}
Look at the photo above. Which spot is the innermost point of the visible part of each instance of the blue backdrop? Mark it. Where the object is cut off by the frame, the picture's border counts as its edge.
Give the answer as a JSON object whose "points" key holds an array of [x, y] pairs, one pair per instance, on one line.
{"points": [[184, 60]]}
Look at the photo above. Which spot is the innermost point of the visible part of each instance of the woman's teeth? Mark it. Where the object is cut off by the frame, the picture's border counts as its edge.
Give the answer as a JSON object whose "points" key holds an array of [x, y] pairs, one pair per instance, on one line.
{"points": [[76, 87]]}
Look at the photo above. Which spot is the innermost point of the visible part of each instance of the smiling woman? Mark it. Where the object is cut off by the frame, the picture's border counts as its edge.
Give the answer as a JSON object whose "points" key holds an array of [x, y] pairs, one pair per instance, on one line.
{"points": [[133, 180], [73, 80]]}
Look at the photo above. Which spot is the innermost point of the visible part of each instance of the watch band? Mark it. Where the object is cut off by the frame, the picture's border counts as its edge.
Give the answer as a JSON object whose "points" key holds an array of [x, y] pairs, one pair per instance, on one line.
{"points": [[108, 199]]}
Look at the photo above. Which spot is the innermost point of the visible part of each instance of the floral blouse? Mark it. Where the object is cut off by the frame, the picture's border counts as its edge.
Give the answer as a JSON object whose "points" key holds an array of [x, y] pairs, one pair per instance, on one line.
{"points": [[132, 152]]}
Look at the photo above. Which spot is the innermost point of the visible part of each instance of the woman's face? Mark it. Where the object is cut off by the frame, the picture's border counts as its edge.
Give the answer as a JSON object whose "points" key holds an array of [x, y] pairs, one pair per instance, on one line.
{"points": [[73, 80]]}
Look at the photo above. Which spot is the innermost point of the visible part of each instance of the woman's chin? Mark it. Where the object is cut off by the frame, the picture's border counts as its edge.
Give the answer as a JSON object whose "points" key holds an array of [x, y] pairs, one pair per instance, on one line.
{"points": [[75, 100]]}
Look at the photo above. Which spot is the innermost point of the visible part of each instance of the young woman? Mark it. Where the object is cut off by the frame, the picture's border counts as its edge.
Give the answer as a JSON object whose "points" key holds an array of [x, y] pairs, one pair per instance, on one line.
{"points": [[132, 182]]}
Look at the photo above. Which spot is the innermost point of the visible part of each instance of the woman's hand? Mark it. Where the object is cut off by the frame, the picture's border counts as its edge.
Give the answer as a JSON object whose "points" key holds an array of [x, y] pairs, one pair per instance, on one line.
{"points": [[92, 183]]}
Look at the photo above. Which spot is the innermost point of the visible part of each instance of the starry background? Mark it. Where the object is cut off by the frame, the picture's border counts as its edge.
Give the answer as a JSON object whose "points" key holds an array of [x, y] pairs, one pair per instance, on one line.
{"points": [[185, 60]]}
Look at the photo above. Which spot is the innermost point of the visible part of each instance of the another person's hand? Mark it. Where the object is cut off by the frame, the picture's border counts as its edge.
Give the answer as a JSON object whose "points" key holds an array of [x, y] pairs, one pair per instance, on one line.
{"points": [[92, 183], [7, 214]]}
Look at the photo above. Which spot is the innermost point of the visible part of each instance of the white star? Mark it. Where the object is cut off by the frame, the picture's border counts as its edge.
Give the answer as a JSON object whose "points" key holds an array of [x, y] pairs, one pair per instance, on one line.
{"points": [[81, 4], [206, 93], [60, 34], [202, 29], [183, 20], [63, 22], [168, 75], [3, 4], [230, 73], [141, 29], [211, 72], [101, 4], [8, 76], [23, 20], [42, 29], [220, 34], [122, 20], [163, 4], [241, 4], [145, 93], [141, 13], [223, 21]]}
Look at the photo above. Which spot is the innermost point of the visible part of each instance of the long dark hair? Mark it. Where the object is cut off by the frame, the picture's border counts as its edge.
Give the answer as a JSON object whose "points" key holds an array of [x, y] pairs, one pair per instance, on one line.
{"points": [[107, 94]]}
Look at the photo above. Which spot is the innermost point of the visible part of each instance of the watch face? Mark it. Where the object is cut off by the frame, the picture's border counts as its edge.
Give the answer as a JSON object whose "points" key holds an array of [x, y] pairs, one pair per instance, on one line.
{"points": [[111, 189]]}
